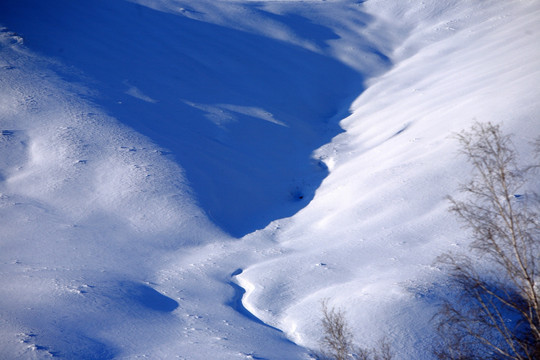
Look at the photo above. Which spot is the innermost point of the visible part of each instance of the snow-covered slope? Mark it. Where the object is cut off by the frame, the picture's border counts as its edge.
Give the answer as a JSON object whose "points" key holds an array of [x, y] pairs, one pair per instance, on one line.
{"points": [[142, 140], [369, 238], [212, 95]]}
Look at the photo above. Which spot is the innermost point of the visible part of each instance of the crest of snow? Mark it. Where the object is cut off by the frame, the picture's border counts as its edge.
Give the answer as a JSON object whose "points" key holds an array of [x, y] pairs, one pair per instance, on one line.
{"points": [[109, 243]]}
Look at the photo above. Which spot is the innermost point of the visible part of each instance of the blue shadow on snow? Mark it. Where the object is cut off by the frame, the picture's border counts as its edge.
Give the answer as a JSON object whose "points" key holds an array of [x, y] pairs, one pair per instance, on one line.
{"points": [[240, 112]]}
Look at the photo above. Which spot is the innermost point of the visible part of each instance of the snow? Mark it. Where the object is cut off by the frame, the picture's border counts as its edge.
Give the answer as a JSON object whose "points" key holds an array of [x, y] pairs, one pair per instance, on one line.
{"points": [[189, 180]]}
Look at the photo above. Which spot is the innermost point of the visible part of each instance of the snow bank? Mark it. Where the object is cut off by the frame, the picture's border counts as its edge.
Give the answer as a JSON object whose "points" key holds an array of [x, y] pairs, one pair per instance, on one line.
{"points": [[369, 238], [136, 136]]}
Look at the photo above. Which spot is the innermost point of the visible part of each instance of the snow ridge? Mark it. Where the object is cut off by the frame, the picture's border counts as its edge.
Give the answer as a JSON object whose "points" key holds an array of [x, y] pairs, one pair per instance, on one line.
{"points": [[188, 180]]}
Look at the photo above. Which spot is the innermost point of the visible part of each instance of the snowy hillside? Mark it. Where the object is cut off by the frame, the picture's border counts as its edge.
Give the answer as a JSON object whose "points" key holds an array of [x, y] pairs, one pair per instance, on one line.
{"points": [[188, 179]]}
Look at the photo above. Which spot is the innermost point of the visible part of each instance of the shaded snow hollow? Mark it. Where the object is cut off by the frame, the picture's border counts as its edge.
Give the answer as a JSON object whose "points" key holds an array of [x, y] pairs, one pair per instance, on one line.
{"points": [[188, 180]]}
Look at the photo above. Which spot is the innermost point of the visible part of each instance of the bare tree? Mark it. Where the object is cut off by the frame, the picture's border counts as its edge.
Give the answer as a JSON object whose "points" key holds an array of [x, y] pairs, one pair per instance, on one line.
{"points": [[496, 314], [337, 342]]}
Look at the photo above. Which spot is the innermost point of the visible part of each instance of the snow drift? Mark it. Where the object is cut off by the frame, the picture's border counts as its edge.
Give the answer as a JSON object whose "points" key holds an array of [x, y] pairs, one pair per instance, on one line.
{"points": [[189, 180]]}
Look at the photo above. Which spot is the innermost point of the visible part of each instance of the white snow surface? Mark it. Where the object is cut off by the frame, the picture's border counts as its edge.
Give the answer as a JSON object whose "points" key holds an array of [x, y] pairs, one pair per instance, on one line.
{"points": [[189, 179]]}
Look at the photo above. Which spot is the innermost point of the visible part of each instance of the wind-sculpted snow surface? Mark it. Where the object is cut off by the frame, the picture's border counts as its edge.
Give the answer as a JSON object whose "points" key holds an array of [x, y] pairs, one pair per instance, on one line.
{"points": [[241, 112], [369, 239], [140, 140], [99, 223]]}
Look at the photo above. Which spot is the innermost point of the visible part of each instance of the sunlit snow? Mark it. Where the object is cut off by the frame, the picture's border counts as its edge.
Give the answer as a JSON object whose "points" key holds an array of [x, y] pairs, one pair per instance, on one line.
{"points": [[189, 179]]}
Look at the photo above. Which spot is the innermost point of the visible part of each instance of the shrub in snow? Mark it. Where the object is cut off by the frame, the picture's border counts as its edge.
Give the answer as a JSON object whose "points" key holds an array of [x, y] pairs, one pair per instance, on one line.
{"points": [[337, 342]]}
